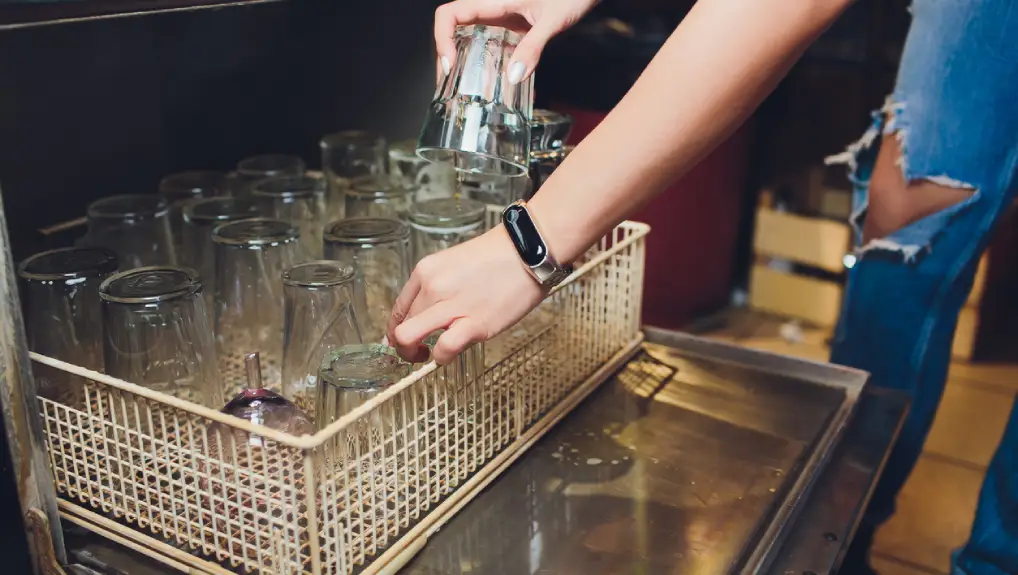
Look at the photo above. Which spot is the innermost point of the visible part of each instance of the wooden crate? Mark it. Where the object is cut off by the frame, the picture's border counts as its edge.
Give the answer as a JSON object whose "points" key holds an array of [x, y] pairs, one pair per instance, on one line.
{"points": [[816, 242]]}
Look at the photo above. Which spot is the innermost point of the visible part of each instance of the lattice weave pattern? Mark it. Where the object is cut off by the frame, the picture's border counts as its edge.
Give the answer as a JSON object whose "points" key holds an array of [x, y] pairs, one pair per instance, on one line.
{"points": [[332, 502]]}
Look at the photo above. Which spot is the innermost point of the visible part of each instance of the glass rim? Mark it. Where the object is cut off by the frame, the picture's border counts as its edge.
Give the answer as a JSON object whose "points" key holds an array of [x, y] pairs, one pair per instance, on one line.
{"points": [[244, 168], [191, 214], [387, 187], [344, 137], [344, 274], [191, 286], [299, 187], [396, 372], [546, 117], [99, 208], [105, 266], [193, 184], [284, 233], [396, 231], [468, 212], [433, 154], [404, 150]]}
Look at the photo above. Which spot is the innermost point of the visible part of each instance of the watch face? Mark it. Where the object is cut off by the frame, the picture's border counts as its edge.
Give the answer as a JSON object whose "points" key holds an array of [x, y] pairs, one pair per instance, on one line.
{"points": [[524, 234]]}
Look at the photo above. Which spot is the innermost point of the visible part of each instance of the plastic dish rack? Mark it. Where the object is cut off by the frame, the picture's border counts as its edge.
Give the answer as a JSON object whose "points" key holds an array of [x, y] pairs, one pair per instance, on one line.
{"points": [[206, 492]]}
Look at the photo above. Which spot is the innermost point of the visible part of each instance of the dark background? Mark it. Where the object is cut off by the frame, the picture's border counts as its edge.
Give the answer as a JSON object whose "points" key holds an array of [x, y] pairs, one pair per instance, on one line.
{"points": [[103, 107]]}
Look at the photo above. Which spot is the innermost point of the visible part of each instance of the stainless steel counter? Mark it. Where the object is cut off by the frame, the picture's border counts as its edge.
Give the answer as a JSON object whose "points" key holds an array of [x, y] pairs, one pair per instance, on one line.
{"points": [[695, 458]]}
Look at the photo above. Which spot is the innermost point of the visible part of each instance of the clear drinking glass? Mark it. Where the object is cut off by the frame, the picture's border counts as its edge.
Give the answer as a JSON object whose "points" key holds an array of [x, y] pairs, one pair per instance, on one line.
{"points": [[479, 122], [348, 155], [443, 223], [350, 376], [60, 295], [299, 200], [135, 227], [549, 130], [430, 180], [184, 187], [379, 250], [200, 218], [378, 197], [251, 256], [158, 334], [255, 168], [318, 318], [542, 164]]}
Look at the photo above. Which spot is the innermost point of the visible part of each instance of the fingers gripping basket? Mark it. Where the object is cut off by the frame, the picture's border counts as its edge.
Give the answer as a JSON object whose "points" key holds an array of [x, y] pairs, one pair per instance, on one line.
{"points": [[204, 491]]}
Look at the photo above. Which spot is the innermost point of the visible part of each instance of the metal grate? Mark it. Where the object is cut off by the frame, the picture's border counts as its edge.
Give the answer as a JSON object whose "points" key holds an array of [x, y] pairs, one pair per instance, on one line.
{"points": [[226, 496]]}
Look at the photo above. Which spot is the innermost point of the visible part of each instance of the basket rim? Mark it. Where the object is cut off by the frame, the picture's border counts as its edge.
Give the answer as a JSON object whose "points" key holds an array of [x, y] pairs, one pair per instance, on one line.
{"points": [[309, 442]]}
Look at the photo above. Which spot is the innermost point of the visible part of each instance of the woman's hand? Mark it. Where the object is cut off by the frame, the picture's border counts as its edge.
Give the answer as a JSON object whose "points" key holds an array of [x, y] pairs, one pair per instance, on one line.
{"points": [[538, 20], [474, 291]]}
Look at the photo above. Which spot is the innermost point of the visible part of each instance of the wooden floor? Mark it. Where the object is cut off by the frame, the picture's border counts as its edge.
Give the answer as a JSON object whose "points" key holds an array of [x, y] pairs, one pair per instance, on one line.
{"points": [[936, 507]]}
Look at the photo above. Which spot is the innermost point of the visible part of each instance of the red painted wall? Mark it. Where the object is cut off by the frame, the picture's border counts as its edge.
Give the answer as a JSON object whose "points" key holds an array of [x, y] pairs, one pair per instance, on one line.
{"points": [[691, 247]]}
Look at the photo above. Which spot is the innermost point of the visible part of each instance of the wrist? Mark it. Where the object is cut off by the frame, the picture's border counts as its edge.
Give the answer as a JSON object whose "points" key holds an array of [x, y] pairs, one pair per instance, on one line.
{"points": [[557, 229]]}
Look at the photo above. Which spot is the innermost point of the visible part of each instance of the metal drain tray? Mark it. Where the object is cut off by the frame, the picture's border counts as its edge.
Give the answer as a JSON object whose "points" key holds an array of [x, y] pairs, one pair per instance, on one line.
{"points": [[695, 458]]}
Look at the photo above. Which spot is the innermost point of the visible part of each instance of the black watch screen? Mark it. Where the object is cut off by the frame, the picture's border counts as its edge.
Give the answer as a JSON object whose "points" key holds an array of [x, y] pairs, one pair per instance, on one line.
{"points": [[524, 235]]}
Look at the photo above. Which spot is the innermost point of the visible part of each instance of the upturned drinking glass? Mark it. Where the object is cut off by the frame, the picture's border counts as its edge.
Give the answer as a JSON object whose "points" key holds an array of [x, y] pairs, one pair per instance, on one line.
{"points": [[299, 200], [352, 375], [200, 218], [158, 334], [135, 227], [251, 256], [254, 168], [318, 318], [348, 155], [379, 250], [182, 188], [378, 197], [443, 223], [430, 180], [542, 165], [478, 122], [60, 296]]}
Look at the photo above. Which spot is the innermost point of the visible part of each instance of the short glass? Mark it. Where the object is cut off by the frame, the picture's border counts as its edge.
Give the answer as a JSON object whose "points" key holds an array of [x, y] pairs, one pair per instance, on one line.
{"points": [[135, 227], [318, 318], [378, 197], [251, 256], [158, 334], [348, 155], [351, 376], [443, 223], [430, 180], [255, 168], [478, 122], [379, 250], [299, 200], [60, 296], [200, 218], [549, 130], [181, 188]]}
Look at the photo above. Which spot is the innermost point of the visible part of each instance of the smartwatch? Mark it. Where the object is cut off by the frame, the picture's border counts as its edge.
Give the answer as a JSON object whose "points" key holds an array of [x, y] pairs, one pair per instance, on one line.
{"points": [[530, 245]]}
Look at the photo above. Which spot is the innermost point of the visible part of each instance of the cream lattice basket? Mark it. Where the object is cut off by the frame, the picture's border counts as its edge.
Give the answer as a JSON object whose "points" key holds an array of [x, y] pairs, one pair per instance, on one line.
{"points": [[207, 492]]}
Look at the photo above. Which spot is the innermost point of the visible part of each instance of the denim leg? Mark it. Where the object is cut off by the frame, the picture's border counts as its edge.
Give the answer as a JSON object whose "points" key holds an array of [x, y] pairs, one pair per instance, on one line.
{"points": [[954, 116], [993, 547]]}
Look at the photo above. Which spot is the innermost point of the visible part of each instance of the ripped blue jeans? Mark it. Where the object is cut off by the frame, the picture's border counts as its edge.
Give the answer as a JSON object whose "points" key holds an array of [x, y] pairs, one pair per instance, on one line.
{"points": [[954, 112]]}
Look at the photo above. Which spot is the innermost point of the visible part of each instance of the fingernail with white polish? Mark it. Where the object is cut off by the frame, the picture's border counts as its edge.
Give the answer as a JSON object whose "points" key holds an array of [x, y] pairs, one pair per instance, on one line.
{"points": [[446, 66], [516, 72]]}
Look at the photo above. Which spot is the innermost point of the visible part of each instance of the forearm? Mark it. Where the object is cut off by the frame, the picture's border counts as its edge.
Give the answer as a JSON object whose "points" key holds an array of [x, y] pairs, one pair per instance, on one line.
{"points": [[710, 75]]}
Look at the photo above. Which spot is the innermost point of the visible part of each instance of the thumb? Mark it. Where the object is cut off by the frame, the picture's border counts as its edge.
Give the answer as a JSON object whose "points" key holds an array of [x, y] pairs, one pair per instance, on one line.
{"points": [[528, 51]]}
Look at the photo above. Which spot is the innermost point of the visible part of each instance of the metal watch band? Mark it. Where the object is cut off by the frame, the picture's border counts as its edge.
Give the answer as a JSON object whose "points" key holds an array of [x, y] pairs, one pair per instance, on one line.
{"points": [[531, 247]]}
